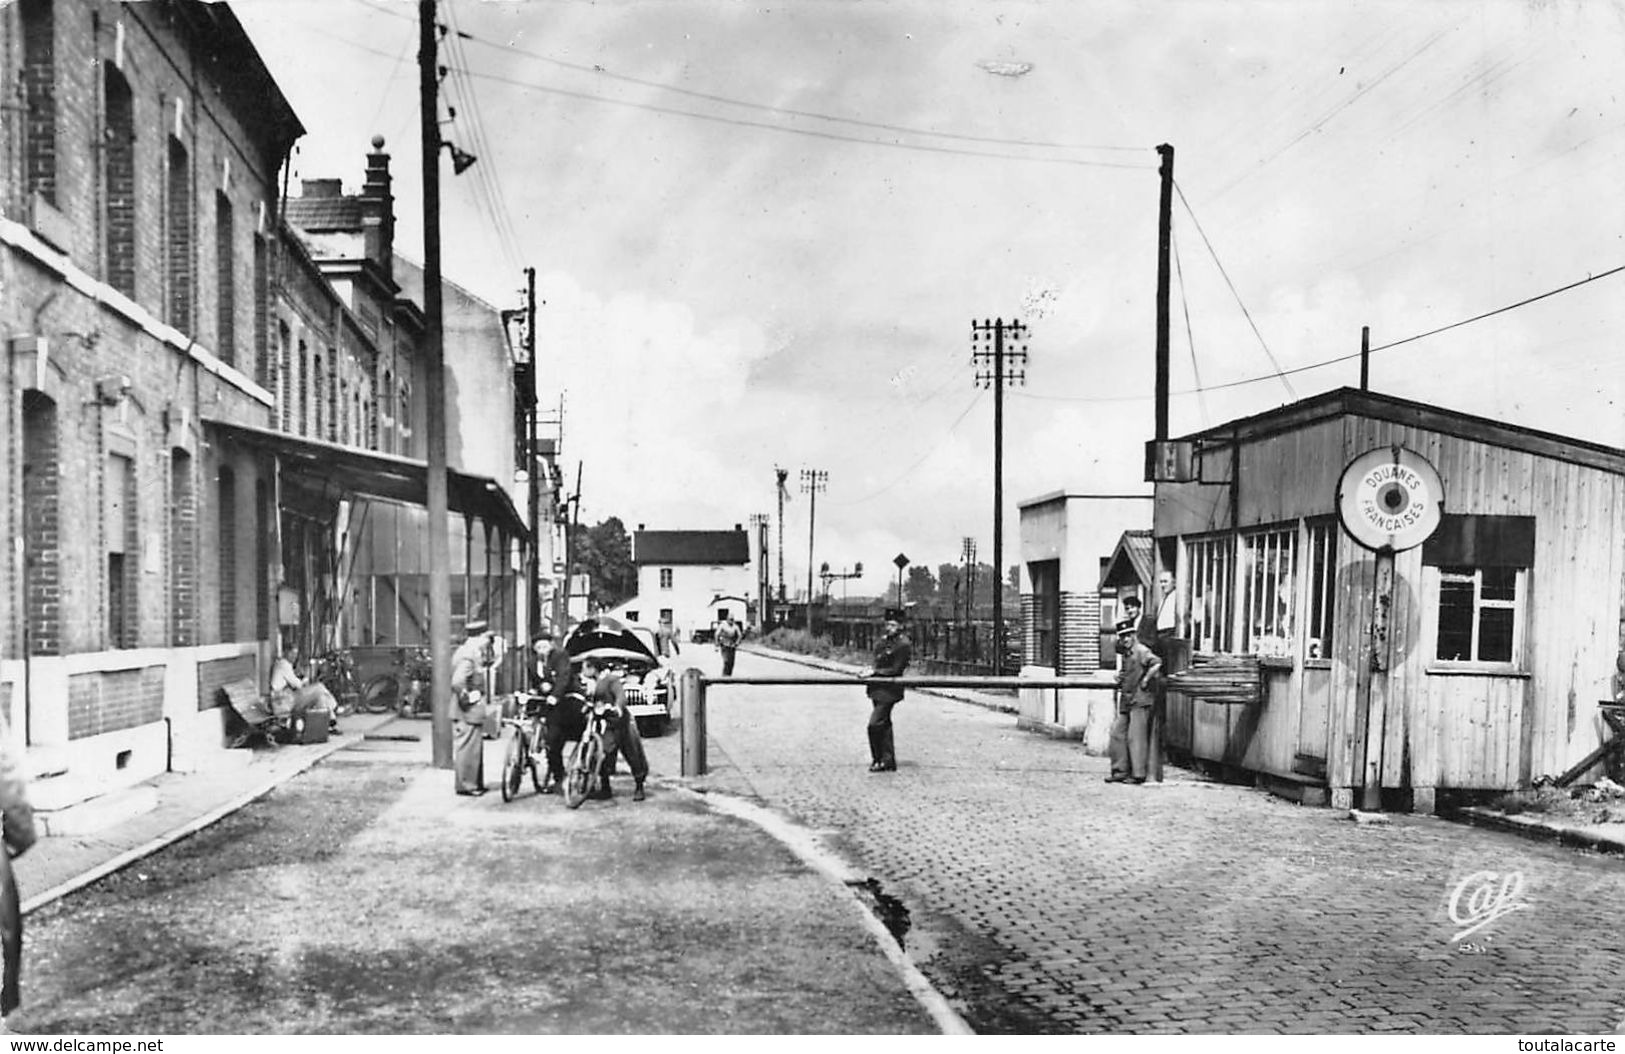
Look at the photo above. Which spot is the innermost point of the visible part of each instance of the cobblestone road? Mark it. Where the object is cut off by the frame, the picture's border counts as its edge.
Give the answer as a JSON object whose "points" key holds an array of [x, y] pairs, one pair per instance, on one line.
{"points": [[1045, 900]]}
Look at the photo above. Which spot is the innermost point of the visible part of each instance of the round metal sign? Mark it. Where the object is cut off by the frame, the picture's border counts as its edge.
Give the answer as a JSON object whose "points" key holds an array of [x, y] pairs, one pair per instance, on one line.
{"points": [[1390, 498]]}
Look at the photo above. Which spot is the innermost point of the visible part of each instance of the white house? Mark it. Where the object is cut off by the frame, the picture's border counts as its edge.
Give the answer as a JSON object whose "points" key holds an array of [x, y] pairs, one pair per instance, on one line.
{"points": [[690, 578]]}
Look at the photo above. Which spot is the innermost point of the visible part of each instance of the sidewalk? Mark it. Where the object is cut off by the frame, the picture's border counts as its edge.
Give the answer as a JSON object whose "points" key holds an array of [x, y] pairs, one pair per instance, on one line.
{"points": [[186, 802]]}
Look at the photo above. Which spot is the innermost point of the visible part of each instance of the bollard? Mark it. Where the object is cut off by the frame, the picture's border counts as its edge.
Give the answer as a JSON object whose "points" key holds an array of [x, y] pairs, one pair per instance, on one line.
{"points": [[691, 697]]}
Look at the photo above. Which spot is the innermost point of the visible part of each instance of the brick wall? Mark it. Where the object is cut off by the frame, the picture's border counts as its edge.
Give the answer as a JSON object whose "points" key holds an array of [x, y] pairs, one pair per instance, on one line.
{"points": [[217, 673], [182, 550], [41, 488], [108, 702], [1080, 633]]}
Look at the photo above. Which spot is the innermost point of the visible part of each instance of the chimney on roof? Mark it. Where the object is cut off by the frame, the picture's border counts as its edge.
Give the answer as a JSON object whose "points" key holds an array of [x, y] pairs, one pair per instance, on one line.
{"points": [[321, 188], [378, 210], [739, 527], [640, 526]]}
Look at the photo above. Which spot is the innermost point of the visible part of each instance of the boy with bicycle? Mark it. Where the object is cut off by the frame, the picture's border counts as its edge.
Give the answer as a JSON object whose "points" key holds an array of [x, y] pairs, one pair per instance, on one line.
{"points": [[620, 730]]}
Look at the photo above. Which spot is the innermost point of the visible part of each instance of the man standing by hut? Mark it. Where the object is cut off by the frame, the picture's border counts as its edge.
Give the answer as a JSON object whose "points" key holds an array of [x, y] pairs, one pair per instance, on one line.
{"points": [[1137, 677], [892, 654]]}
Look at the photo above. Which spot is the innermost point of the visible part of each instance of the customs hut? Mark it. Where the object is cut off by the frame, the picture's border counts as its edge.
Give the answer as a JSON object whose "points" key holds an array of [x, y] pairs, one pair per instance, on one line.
{"points": [[1477, 666]]}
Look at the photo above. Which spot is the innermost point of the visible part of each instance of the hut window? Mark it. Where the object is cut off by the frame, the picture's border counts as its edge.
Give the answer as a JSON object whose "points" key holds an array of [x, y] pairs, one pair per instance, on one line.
{"points": [[1212, 592], [1322, 570], [1269, 592], [665, 578], [1480, 613]]}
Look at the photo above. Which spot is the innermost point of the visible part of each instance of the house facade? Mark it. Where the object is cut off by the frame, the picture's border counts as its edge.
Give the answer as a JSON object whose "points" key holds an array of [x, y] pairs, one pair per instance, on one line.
{"points": [[1473, 661], [691, 579]]}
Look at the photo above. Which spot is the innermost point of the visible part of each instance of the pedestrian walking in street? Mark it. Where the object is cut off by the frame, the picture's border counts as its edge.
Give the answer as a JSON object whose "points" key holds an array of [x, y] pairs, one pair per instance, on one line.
{"points": [[17, 832], [892, 654], [666, 636], [468, 665], [728, 637], [1138, 672], [620, 728]]}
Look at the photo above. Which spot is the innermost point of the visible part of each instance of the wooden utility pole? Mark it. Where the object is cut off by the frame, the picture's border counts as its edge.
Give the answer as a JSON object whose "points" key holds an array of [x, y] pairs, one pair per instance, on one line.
{"points": [[533, 620], [994, 354], [434, 379], [1365, 358], [781, 474], [1165, 219]]}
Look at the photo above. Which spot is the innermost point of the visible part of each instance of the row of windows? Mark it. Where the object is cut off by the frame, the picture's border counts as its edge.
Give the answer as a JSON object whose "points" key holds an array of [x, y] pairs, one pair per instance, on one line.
{"points": [[119, 210], [1244, 595]]}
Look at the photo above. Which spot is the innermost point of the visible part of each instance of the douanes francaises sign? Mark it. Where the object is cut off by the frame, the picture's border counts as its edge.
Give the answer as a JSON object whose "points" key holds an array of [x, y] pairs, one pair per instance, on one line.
{"points": [[1390, 498]]}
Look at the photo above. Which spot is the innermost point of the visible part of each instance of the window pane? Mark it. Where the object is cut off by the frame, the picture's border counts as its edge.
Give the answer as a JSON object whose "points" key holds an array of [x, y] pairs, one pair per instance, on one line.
{"points": [[1455, 620], [1500, 583], [1495, 635]]}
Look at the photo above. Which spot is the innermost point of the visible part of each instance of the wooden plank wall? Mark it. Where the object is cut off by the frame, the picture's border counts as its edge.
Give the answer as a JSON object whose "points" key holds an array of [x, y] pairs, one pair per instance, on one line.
{"points": [[1481, 731]]}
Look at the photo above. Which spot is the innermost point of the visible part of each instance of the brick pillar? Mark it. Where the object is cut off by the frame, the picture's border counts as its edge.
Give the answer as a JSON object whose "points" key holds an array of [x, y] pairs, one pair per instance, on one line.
{"points": [[1080, 633], [182, 551], [1029, 636], [42, 571]]}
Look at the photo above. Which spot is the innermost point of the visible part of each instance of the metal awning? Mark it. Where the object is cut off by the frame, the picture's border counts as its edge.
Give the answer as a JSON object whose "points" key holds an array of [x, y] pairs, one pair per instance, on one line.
{"points": [[329, 467]]}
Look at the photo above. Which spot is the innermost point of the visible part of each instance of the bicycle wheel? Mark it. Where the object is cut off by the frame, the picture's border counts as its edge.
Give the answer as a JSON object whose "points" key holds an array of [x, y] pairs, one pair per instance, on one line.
{"points": [[513, 765], [583, 769], [381, 694]]}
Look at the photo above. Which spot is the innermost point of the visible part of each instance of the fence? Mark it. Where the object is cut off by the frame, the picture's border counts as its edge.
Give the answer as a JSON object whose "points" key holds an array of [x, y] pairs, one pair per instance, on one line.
{"points": [[939, 645]]}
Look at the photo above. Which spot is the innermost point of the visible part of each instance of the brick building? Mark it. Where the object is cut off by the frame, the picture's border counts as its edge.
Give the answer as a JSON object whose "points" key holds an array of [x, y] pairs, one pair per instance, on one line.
{"points": [[137, 211], [203, 401]]}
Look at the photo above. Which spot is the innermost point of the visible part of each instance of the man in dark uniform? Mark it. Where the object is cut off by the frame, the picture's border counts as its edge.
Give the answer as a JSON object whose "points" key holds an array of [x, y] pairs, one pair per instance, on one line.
{"points": [[892, 654], [468, 665], [562, 719]]}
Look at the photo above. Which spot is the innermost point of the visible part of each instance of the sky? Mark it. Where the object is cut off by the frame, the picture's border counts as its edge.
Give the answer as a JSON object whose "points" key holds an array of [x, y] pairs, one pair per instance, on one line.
{"points": [[762, 231]]}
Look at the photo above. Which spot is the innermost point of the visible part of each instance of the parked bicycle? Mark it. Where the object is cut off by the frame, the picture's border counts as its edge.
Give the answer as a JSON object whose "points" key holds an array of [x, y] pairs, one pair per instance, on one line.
{"points": [[525, 749], [336, 670], [404, 690]]}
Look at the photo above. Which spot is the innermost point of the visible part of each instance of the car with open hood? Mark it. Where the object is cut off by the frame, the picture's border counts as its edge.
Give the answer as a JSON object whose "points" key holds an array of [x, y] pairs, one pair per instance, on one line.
{"points": [[632, 651]]}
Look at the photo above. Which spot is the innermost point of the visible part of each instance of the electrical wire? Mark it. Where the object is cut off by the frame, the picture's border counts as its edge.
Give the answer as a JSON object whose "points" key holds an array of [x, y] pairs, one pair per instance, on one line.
{"points": [[1261, 343], [1335, 360], [1190, 336], [810, 133], [936, 446], [495, 203]]}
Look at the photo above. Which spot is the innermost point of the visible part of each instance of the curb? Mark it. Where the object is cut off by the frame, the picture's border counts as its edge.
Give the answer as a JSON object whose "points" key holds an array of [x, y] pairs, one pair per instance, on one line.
{"points": [[198, 823], [803, 844], [1575, 837]]}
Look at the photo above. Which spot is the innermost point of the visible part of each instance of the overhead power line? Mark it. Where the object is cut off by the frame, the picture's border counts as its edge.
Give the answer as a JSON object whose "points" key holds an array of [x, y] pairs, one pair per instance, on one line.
{"points": [[1335, 359]]}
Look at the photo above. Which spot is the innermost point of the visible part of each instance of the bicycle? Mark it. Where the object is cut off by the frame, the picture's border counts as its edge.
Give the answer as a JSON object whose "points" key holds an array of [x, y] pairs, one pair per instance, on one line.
{"points": [[383, 692], [583, 771], [336, 670], [523, 747]]}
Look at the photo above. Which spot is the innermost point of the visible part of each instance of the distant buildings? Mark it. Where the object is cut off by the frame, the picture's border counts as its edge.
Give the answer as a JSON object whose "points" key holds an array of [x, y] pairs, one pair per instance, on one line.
{"points": [[690, 578]]}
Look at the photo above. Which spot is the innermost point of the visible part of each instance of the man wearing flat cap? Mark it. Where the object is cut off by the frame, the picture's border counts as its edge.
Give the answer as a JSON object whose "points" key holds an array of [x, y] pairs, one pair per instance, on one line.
{"points": [[468, 665], [892, 653], [1138, 671]]}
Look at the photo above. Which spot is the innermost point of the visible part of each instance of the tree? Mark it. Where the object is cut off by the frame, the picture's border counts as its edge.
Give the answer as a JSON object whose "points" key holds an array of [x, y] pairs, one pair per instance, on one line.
{"points": [[950, 590], [920, 588], [603, 552]]}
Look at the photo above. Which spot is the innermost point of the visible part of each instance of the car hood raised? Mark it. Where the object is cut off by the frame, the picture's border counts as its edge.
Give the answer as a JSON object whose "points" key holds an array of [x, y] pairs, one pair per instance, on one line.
{"points": [[602, 637]]}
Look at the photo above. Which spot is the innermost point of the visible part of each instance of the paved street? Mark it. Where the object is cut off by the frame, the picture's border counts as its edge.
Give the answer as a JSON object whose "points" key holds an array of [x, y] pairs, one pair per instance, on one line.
{"points": [[1042, 899]]}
